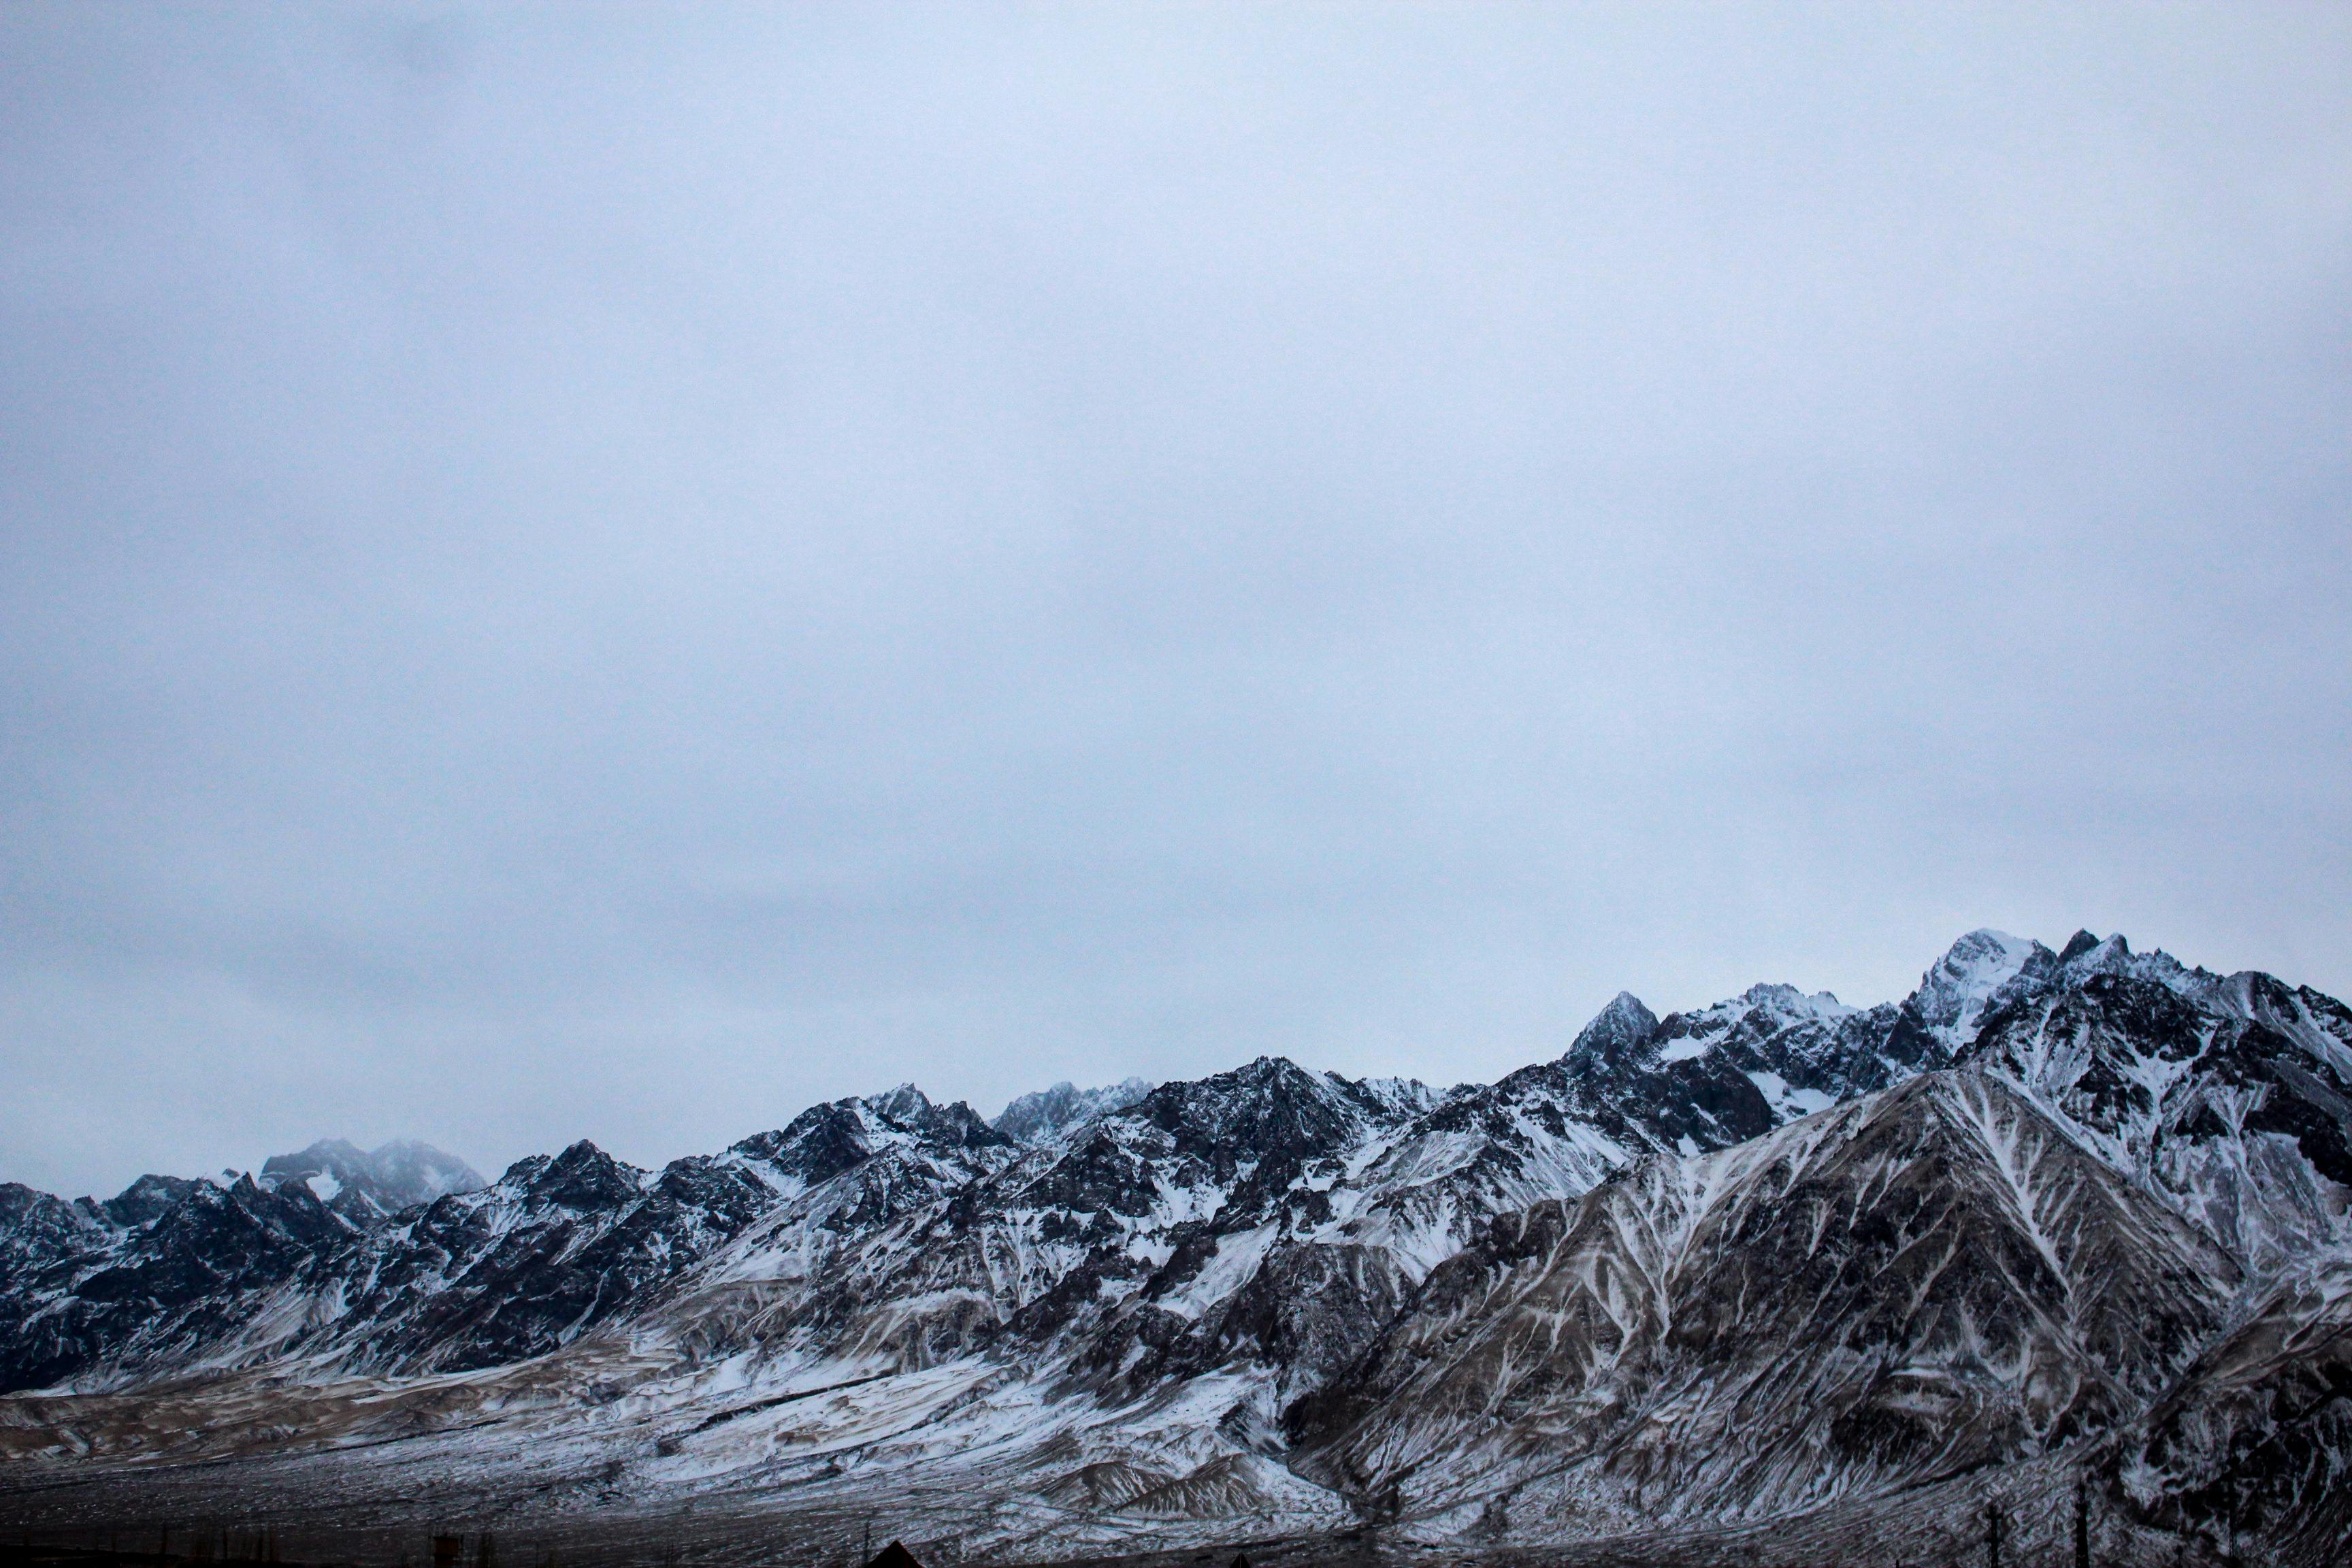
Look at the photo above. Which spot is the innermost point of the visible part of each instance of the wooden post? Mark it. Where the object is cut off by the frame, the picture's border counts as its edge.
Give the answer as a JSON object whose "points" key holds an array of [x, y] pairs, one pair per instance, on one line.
{"points": [[2082, 1522], [1992, 1535]]}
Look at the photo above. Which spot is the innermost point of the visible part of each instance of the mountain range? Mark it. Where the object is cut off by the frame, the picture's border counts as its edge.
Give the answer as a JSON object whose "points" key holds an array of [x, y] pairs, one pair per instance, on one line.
{"points": [[1776, 1276]]}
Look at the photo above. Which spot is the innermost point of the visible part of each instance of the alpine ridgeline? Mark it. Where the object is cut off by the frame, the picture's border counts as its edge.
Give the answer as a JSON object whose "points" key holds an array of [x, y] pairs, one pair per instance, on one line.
{"points": [[2058, 1218]]}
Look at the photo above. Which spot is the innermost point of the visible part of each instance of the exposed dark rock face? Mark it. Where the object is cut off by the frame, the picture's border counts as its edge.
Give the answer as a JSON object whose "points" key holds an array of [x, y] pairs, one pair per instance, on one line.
{"points": [[180, 1286], [552, 1248], [145, 1200]]}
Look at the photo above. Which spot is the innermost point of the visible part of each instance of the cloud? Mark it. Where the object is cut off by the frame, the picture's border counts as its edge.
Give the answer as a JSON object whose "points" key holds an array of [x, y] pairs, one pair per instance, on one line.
{"points": [[613, 575]]}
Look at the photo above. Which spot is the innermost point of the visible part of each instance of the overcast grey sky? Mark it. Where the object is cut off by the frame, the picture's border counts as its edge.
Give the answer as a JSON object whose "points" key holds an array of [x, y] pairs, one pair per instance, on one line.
{"points": [[617, 572]]}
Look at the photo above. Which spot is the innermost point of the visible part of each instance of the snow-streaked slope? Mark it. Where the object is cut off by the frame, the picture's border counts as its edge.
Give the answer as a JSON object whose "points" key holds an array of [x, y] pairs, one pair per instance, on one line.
{"points": [[2257, 1436], [1120, 1249], [2230, 1099], [1933, 1279]]}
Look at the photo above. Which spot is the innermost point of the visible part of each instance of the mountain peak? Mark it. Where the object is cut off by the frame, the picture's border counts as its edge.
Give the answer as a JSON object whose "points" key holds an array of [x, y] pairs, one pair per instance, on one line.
{"points": [[1036, 1117], [2081, 942], [905, 1104], [1271, 1109], [1617, 1030], [365, 1185], [1962, 986]]}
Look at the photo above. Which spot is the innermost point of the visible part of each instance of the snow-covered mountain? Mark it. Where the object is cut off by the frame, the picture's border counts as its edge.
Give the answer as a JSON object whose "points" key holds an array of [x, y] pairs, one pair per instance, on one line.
{"points": [[2057, 1211], [1038, 1117], [1931, 1279], [367, 1186]]}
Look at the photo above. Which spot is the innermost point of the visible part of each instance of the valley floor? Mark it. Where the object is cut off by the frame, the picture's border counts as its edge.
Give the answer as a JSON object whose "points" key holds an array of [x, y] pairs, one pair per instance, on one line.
{"points": [[297, 1511]]}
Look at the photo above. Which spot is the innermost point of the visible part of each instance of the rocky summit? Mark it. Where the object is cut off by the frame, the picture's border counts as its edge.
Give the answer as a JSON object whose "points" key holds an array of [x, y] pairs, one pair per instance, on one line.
{"points": [[2065, 1226]]}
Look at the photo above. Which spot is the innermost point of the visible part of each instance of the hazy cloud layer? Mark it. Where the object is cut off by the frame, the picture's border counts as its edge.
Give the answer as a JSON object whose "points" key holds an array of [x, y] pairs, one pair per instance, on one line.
{"points": [[615, 573]]}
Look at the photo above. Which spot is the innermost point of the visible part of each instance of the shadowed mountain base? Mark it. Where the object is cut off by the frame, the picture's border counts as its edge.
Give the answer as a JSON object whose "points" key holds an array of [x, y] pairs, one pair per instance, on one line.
{"points": [[248, 1509]]}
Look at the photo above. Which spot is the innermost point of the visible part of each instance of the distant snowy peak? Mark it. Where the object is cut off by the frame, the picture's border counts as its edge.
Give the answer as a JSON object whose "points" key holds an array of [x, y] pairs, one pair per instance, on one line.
{"points": [[1963, 984], [1799, 1052], [1272, 1113], [954, 1125], [1041, 1116], [826, 1141], [1785, 1004], [368, 1186], [1268, 1086], [1804, 1051], [906, 1105]]}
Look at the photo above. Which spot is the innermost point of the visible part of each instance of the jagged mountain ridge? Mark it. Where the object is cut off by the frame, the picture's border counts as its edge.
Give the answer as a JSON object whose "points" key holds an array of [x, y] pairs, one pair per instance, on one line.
{"points": [[181, 1277], [1038, 1117], [1240, 1245], [2226, 1097], [1630, 1085]]}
